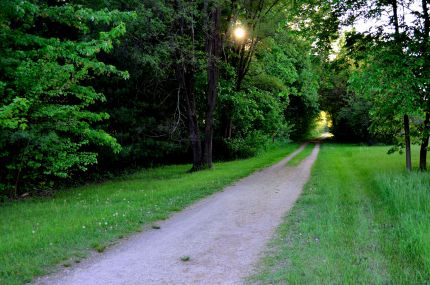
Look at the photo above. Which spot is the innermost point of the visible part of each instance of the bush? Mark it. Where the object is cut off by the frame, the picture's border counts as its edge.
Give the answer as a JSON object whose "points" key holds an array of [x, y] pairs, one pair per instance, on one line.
{"points": [[248, 146]]}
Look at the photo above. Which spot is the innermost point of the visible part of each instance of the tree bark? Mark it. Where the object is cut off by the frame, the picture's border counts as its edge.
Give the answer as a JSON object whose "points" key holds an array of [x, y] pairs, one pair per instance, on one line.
{"points": [[193, 125], [407, 142], [424, 144], [213, 48], [186, 83], [228, 129]]}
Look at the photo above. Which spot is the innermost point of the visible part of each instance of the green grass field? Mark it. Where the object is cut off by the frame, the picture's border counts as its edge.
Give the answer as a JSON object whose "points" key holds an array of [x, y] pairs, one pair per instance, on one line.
{"points": [[39, 234], [301, 156], [361, 220]]}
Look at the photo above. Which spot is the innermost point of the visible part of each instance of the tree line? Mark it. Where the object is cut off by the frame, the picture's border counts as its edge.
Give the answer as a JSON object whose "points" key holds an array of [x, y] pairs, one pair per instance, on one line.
{"points": [[95, 87], [89, 87], [380, 77]]}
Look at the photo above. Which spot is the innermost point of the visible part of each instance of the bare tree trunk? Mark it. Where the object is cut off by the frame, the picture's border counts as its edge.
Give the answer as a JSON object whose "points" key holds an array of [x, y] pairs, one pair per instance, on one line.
{"points": [[213, 48]]}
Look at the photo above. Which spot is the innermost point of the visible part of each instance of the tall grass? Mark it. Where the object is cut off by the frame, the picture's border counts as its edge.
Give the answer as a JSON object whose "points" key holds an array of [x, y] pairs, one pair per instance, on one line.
{"points": [[406, 200], [361, 220]]}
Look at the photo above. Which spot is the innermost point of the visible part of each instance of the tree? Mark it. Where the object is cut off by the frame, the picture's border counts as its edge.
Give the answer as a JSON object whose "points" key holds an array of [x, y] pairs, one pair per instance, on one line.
{"points": [[398, 51], [186, 72], [424, 53], [214, 29], [394, 61], [47, 55], [213, 50], [185, 42], [258, 20], [147, 112]]}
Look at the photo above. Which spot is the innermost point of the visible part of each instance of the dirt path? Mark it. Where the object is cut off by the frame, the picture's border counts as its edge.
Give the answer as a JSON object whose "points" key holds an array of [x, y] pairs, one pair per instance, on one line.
{"points": [[223, 235]]}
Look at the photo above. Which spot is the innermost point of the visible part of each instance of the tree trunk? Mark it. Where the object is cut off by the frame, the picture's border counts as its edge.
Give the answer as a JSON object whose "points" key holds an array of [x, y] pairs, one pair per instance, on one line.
{"points": [[405, 117], [213, 48], [426, 22], [186, 83], [424, 144], [425, 138], [407, 142], [185, 74], [229, 128], [193, 125]]}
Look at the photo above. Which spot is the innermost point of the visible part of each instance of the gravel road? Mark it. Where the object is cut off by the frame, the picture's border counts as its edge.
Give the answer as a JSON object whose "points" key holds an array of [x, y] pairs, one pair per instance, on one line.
{"points": [[223, 236]]}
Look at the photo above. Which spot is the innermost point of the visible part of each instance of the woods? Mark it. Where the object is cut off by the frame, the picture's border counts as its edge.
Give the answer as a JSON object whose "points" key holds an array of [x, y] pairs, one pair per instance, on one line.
{"points": [[96, 87], [117, 114], [387, 72], [90, 87]]}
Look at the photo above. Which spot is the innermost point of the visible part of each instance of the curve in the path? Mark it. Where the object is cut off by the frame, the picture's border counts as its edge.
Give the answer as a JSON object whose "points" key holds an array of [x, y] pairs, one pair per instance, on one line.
{"points": [[223, 235]]}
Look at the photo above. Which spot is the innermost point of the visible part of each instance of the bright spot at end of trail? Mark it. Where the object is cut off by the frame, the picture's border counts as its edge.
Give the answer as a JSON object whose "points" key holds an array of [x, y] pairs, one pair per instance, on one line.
{"points": [[239, 33]]}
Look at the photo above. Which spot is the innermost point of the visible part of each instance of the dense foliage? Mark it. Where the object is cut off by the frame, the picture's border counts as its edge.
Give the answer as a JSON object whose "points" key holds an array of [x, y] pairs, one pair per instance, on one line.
{"points": [[93, 87], [379, 81], [130, 83], [48, 54]]}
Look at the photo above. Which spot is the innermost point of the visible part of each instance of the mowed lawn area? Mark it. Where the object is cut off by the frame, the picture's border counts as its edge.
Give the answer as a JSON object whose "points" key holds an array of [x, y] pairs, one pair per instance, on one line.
{"points": [[39, 234], [361, 220]]}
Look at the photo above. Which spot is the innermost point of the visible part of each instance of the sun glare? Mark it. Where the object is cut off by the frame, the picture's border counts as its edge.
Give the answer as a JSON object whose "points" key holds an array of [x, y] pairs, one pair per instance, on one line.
{"points": [[239, 33]]}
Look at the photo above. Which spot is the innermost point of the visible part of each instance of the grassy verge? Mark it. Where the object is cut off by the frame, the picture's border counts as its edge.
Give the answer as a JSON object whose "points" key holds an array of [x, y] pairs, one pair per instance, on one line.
{"points": [[38, 234], [302, 155], [360, 220]]}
